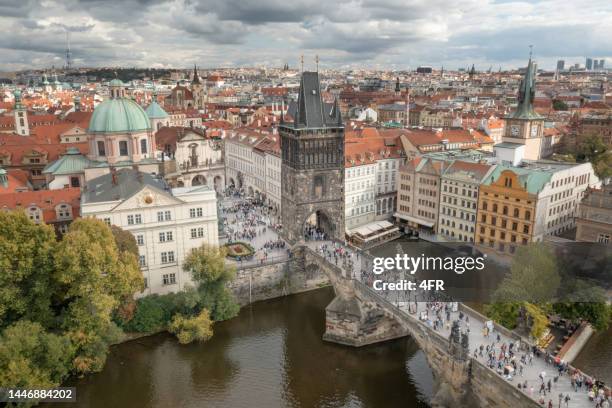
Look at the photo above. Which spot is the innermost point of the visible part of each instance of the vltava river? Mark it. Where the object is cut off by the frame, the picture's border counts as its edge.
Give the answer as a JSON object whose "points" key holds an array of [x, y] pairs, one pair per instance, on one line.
{"points": [[270, 356]]}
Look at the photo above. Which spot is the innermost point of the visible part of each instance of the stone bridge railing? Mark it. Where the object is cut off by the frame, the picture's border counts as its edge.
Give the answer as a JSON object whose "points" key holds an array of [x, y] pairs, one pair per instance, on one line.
{"points": [[359, 316]]}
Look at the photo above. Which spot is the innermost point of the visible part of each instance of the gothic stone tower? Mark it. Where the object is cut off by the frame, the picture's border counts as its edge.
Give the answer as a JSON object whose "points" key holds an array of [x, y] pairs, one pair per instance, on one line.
{"points": [[312, 171]]}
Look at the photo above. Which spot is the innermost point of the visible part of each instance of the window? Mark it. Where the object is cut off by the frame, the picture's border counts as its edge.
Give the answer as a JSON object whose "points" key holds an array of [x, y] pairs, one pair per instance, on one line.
{"points": [[160, 216], [197, 232], [169, 279], [195, 212], [143, 146], [107, 221], [526, 229], [140, 239], [516, 212], [527, 215], [494, 207], [142, 261], [123, 148], [167, 257], [75, 182], [165, 236], [603, 238], [134, 219], [101, 148], [167, 215]]}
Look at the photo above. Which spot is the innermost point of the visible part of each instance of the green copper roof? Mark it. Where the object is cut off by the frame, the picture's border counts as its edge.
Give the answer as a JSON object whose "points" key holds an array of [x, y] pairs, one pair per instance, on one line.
{"points": [[115, 82], [155, 111], [70, 163], [524, 110], [119, 115], [533, 180]]}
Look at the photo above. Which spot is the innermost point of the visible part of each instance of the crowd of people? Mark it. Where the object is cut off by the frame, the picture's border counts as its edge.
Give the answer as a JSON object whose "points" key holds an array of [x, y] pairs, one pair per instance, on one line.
{"points": [[251, 221]]}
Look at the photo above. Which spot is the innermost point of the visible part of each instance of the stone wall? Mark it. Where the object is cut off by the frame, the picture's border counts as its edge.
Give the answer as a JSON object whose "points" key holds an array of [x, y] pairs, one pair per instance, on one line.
{"points": [[270, 281], [491, 390]]}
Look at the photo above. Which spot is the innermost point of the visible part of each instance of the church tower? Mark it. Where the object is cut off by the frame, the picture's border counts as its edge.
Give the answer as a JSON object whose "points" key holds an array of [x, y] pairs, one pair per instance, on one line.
{"points": [[312, 170], [22, 127], [198, 90], [525, 126]]}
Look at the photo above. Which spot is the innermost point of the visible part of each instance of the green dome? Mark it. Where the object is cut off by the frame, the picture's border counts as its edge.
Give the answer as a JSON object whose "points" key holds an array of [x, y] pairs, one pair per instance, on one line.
{"points": [[155, 111], [115, 82], [119, 115]]}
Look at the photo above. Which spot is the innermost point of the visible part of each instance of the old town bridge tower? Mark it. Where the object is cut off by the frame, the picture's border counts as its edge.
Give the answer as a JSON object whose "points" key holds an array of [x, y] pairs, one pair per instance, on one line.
{"points": [[312, 171]]}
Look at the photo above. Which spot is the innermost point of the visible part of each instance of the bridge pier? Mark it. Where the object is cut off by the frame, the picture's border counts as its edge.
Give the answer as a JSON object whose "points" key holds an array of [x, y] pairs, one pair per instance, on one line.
{"points": [[351, 322]]}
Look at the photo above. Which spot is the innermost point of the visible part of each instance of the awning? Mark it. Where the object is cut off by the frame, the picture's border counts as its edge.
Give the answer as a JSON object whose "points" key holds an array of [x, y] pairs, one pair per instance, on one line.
{"points": [[373, 230], [416, 220]]}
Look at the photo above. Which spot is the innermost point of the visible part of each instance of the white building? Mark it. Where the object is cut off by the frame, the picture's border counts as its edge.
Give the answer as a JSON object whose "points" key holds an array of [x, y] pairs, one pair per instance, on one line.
{"points": [[559, 197], [253, 164], [199, 161], [360, 190], [166, 223]]}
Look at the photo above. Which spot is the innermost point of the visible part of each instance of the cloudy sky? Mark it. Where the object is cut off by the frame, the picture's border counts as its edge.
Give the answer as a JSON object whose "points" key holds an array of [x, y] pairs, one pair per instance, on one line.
{"points": [[395, 34]]}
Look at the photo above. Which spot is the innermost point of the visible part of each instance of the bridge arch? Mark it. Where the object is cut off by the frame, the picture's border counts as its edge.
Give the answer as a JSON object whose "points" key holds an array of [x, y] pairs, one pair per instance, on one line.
{"points": [[318, 224]]}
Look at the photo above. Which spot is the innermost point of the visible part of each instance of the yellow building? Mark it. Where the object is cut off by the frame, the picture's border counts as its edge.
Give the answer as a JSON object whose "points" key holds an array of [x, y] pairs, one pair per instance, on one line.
{"points": [[506, 209]]}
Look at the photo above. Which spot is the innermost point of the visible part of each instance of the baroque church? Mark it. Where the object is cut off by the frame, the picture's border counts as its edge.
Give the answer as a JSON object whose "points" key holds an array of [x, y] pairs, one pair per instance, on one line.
{"points": [[193, 97]]}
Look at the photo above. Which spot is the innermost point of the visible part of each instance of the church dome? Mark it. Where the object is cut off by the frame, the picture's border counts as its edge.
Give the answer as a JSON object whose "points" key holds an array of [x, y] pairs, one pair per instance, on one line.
{"points": [[155, 111], [119, 115]]}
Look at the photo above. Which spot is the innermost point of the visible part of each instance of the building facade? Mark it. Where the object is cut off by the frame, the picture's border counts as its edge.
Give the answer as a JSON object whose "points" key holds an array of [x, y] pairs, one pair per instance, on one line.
{"points": [[594, 220], [166, 223], [460, 185]]}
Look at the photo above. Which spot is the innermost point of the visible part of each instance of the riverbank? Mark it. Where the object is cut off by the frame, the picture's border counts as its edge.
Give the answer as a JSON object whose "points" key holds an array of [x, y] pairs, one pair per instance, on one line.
{"points": [[271, 355]]}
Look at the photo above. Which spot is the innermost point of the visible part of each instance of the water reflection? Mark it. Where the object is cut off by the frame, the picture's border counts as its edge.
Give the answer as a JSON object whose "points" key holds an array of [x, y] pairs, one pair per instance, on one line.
{"points": [[271, 355]]}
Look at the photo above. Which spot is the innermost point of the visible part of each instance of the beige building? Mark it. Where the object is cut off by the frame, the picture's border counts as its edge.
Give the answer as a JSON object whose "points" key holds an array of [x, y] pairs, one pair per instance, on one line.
{"points": [[594, 220], [419, 194], [459, 199]]}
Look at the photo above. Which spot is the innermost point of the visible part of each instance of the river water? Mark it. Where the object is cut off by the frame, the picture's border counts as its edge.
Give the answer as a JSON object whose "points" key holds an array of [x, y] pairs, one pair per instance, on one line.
{"points": [[270, 356]]}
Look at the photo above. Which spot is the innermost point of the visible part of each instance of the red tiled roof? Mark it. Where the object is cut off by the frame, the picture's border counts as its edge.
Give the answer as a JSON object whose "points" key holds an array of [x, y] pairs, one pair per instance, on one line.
{"points": [[46, 200]]}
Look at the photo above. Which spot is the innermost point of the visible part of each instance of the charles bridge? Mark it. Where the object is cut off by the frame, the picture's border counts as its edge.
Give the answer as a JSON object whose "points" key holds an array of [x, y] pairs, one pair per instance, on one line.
{"points": [[359, 316]]}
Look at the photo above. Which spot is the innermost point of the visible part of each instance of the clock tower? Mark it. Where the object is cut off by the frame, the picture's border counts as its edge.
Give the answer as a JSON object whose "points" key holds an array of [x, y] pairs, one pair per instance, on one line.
{"points": [[524, 126]]}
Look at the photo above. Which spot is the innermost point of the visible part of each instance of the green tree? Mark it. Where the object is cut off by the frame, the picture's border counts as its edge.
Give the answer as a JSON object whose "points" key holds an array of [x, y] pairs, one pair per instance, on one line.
{"points": [[125, 240], [207, 264], [189, 329], [210, 271], [559, 105], [588, 302], [26, 266], [94, 278], [591, 148], [533, 277], [32, 358]]}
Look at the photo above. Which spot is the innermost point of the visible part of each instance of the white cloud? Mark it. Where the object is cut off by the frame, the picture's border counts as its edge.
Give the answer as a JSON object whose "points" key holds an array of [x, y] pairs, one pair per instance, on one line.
{"points": [[398, 33]]}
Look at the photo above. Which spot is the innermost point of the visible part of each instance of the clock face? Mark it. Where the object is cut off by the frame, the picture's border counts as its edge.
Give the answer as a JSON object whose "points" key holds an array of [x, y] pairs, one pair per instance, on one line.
{"points": [[534, 131], [514, 130]]}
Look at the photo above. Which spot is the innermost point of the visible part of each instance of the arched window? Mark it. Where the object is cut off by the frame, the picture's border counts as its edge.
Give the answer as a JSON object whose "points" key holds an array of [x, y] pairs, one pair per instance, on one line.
{"points": [[516, 212], [527, 215], [505, 210], [494, 207]]}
